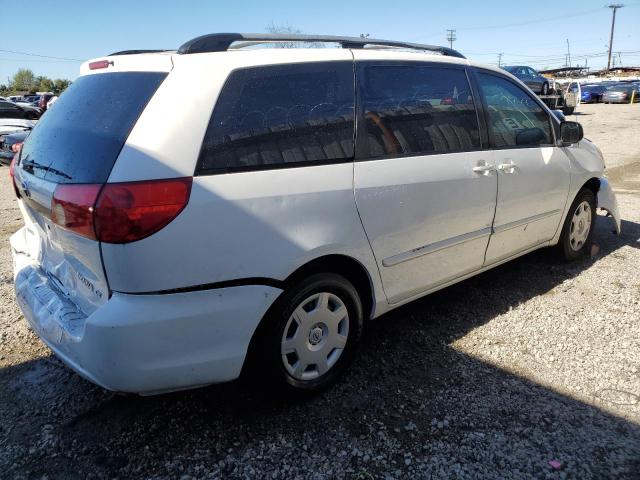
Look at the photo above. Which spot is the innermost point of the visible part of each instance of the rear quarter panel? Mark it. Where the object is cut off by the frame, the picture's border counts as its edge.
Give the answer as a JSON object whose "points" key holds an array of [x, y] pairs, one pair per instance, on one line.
{"points": [[237, 225]]}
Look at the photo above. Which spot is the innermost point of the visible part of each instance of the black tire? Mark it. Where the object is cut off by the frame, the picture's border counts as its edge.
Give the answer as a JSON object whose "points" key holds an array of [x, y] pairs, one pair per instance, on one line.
{"points": [[266, 363], [568, 110], [569, 251]]}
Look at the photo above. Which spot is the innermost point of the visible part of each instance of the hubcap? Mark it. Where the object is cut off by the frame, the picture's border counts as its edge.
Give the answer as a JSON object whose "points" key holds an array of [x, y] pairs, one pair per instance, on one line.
{"points": [[580, 226], [315, 336]]}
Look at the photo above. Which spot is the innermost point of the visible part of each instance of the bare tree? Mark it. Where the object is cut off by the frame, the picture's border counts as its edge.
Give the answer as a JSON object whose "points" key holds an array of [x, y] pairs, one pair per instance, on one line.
{"points": [[288, 29]]}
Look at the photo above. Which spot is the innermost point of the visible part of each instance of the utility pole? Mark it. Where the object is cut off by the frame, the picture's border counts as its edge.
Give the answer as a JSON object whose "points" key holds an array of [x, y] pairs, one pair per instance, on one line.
{"points": [[568, 54], [614, 7], [500, 59], [451, 37]]}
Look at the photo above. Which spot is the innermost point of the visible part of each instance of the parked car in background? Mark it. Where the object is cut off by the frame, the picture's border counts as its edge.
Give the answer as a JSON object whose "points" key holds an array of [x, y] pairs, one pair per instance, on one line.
{"points": [[43, 102], [530, 78], [296, 237], [592, 93], [52, 100], [8, 144], [10, 110], [621, 93]]}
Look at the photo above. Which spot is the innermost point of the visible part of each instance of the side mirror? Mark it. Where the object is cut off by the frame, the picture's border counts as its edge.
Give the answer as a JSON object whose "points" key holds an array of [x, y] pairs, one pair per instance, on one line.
{"points": [[570, 132]]}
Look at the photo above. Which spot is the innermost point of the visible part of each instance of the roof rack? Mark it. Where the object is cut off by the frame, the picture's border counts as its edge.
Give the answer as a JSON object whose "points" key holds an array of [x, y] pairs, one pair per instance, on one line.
{"points": [[220, 42], [135, 52]]}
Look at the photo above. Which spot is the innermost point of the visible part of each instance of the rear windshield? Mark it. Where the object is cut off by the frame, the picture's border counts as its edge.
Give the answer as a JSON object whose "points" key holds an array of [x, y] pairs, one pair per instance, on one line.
{"points": [[80, 137]]}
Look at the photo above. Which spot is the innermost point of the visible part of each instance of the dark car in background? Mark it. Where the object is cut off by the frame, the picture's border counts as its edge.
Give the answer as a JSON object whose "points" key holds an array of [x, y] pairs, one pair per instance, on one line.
{"points": [[8, 144], [530, 78], [22, 112], [592, 93], [622, 93]]}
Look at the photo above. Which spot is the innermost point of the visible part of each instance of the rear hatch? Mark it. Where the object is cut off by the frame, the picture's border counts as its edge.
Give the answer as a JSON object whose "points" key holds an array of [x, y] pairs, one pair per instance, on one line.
{"points": [[71, 152]]}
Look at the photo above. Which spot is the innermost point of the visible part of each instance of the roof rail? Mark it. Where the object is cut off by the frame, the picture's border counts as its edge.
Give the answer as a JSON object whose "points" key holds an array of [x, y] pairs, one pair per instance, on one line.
{"points": [[220, 42], [135, 52]]}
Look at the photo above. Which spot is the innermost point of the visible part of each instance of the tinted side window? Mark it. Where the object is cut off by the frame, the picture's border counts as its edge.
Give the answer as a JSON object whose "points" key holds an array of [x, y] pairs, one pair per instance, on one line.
{"points": [[515, 118], [418, 109], [278, 116]]}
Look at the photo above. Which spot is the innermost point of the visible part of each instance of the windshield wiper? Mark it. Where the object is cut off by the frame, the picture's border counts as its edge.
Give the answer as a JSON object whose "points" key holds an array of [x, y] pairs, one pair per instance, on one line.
{"points": [[32, 165]]}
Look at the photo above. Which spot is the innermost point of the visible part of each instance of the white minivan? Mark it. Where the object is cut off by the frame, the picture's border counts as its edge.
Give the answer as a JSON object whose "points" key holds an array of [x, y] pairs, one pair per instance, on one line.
{"points": [[224, 208]]}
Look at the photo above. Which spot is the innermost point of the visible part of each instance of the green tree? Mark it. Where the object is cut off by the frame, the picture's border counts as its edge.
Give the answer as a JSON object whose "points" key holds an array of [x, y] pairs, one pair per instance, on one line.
{"points": [[60, 85], [46, 84], [24, 79]]}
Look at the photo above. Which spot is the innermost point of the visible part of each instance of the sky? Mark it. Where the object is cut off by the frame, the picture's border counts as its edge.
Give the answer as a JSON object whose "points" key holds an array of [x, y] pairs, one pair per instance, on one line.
{"points": [[530, 33]]}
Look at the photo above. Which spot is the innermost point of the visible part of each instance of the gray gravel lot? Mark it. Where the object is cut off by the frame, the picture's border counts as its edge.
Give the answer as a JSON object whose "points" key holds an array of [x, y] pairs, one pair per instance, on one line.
{"points": [[532, 362]]}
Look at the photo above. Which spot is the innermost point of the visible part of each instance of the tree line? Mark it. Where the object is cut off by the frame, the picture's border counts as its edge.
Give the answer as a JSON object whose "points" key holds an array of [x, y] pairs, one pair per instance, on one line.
{"points": [[26, 81]]}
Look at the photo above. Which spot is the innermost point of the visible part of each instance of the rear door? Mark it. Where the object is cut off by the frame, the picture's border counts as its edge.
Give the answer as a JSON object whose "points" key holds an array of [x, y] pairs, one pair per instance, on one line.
{"points": [[533, 173], [77, 143], [425, 189]]}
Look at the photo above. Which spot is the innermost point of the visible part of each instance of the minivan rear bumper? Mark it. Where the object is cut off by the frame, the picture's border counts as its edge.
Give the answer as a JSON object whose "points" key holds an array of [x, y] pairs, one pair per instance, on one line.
{"points": [[145, 343]]}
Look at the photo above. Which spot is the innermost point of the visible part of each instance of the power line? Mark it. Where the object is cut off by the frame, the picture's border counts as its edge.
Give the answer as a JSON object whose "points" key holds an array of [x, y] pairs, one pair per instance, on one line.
{"points": [[42, 56], [530, 22], [36, 60]]}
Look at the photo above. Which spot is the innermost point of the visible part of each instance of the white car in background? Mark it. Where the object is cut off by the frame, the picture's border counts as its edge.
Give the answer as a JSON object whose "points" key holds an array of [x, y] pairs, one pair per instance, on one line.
{"points": [[260, 238]]}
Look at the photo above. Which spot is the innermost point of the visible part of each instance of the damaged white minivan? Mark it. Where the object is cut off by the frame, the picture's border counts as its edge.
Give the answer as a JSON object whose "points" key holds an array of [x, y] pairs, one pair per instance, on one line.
{"points": [[194, 214]]}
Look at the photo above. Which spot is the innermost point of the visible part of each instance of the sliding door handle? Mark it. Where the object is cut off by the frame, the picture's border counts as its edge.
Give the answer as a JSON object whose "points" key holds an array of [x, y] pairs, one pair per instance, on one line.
{"points": [[507, 167], [484, 169]]}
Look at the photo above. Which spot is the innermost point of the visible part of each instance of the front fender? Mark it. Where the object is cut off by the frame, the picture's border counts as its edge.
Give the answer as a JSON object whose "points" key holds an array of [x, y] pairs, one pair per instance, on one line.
{"points": [[607, 201]]}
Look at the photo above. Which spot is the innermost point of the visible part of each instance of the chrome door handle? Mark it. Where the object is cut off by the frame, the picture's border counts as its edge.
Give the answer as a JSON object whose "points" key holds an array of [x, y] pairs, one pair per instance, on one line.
{"points": [[507, 167], [484, 169]]}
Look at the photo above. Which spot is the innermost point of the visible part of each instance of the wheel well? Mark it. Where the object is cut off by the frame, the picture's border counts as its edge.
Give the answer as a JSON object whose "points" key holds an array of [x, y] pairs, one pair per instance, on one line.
{"points": [[348, 267], [593, 184]]}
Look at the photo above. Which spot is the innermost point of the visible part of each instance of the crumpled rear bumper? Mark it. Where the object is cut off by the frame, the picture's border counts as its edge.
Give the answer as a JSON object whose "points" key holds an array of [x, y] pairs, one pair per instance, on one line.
{"points": [[607, 201], [143, 343]]}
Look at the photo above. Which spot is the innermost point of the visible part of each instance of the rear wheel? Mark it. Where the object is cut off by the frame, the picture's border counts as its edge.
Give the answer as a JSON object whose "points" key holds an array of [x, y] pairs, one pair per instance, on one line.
{"points": [[310, 335], [577, 231], [568, 110]]}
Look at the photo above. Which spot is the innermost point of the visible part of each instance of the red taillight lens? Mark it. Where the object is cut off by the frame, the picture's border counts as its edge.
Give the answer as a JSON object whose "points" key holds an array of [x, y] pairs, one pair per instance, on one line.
{"points": [[72, 208], [119, 212], [126, 212]]}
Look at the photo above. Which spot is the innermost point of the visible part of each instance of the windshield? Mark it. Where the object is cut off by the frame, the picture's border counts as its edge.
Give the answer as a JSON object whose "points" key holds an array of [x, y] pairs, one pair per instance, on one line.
{"points": [[79, 140]]}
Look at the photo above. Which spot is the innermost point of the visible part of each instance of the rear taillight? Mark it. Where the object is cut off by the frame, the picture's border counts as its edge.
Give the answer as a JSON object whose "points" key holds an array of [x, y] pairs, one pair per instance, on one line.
{"points": [[126, 212], [120, 212], [72, 208]]}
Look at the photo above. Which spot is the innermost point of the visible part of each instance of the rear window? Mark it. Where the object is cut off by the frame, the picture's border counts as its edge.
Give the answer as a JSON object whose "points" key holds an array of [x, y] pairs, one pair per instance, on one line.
{"points": [[281, 116], [79, 140]]}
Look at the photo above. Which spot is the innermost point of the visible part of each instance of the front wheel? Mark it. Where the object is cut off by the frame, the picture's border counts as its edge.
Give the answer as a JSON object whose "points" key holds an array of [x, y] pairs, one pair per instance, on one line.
{"points": [[577, 231], [310, 335], [568, 110]]}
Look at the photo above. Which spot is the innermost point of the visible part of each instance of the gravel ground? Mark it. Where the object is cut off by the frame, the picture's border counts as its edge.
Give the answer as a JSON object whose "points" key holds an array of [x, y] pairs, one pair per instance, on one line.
{"points": [[533, 362]]}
